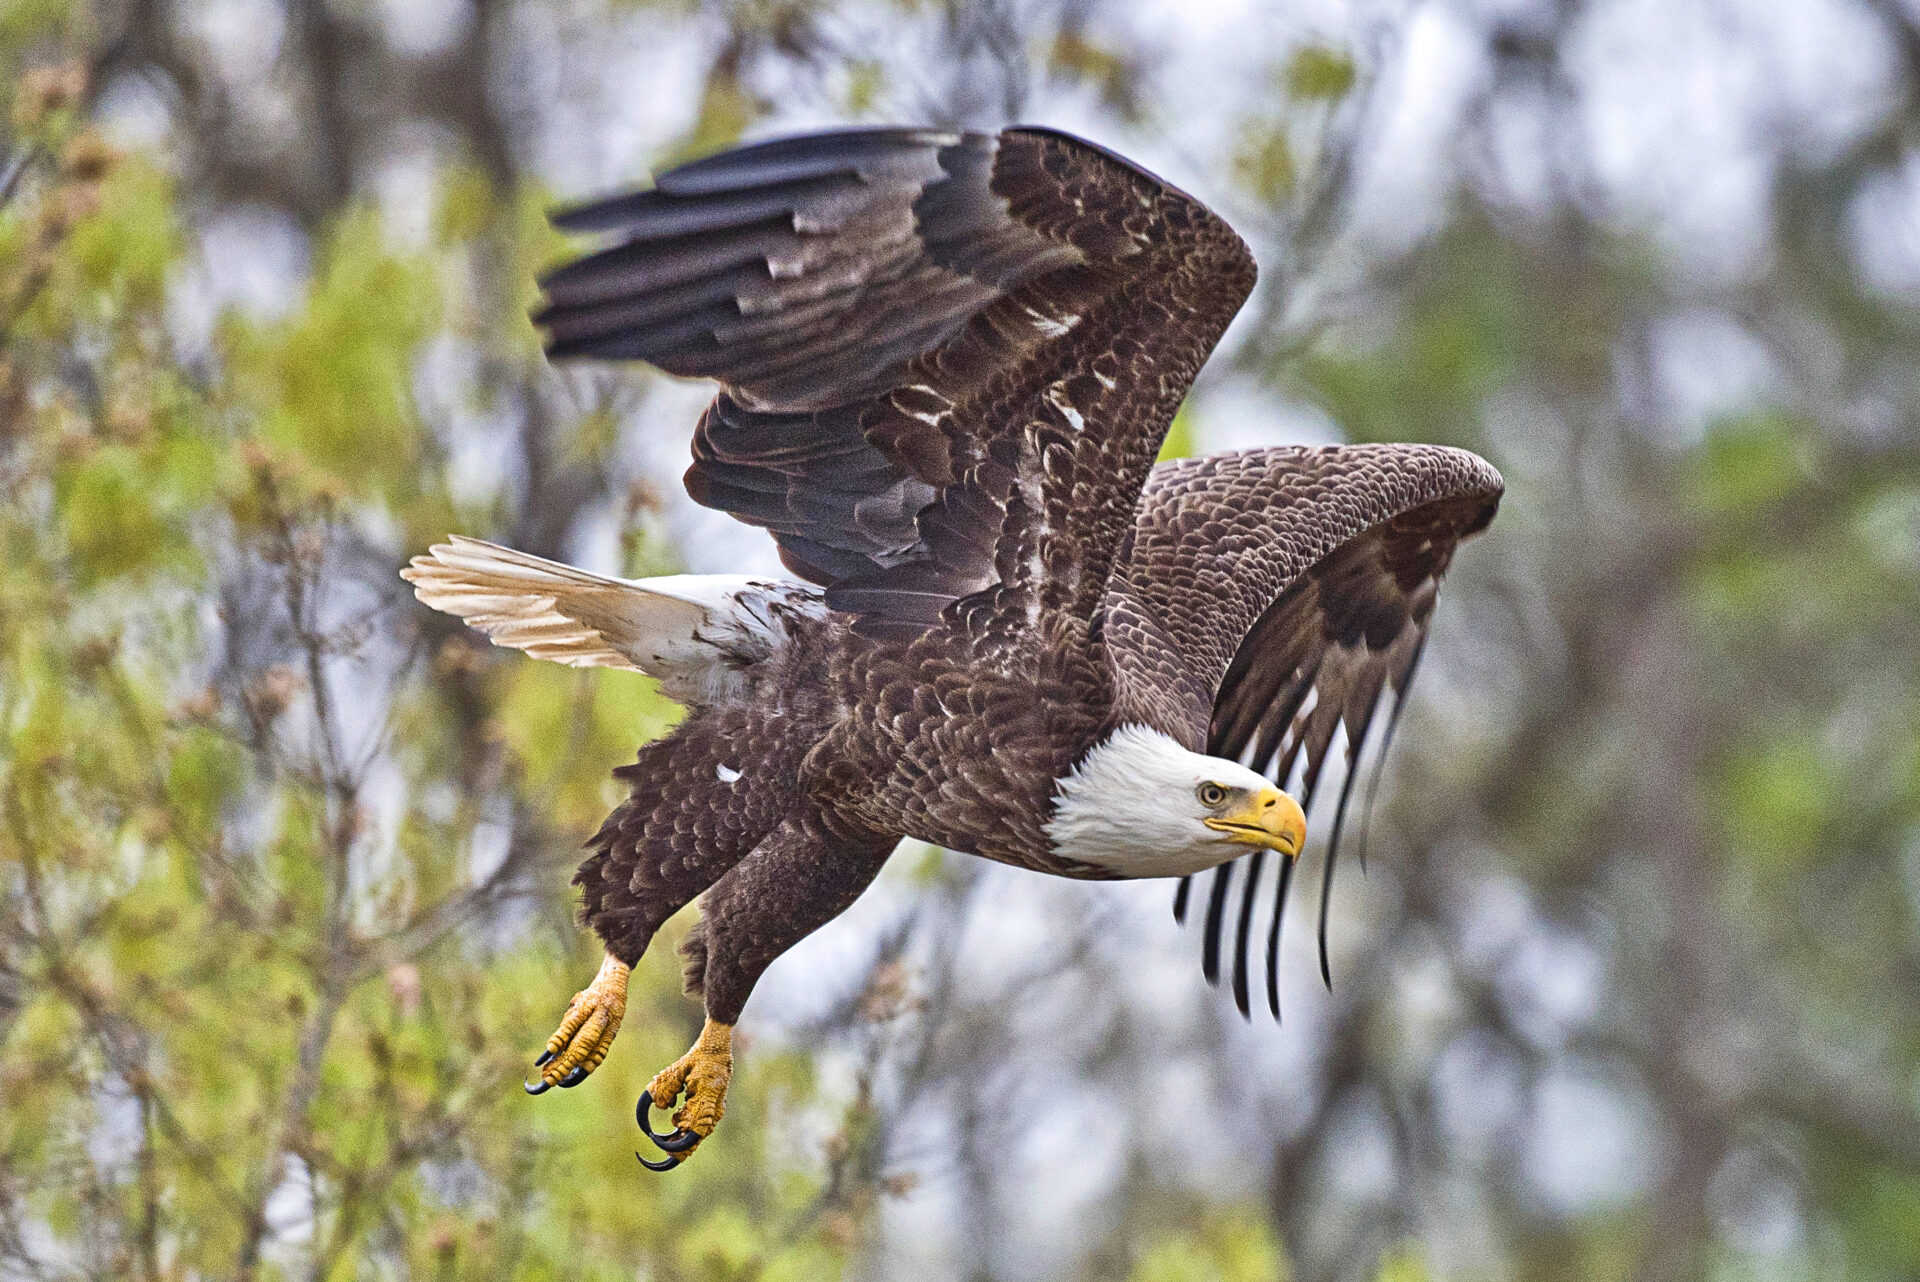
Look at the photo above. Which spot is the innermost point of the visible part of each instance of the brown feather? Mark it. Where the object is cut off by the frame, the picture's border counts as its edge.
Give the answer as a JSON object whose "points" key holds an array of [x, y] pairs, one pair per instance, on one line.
{"points": [[947, 362]]}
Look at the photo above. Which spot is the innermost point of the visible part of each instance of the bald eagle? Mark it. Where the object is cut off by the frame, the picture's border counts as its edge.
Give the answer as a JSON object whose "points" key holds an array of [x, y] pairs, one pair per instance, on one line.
{"points": [[947, 361]]}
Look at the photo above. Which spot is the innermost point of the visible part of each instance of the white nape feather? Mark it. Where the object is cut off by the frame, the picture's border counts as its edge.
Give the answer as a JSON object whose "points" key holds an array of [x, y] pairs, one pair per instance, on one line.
{"points": [[1132, 806], [696, 633]]}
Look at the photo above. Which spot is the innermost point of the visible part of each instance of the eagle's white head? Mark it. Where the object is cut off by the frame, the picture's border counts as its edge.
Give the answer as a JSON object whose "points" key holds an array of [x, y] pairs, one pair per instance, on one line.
{"points": [[1140, 805]]}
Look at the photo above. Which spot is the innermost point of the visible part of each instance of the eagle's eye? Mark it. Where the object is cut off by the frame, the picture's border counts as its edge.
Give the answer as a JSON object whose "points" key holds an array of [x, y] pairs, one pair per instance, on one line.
{"points": [[1211, 795]]}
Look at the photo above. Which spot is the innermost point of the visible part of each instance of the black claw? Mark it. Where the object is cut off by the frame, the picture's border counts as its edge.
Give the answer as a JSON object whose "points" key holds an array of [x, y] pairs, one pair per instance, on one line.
{"points": [[540, 1087], [678, 1141], [664, 1164], [546, 1057], [577, 1076]]}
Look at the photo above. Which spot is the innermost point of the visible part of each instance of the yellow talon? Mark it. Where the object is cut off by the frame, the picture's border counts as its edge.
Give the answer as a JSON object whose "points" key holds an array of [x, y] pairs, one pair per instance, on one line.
{"points": [[702, 1074], [587, 1030]]}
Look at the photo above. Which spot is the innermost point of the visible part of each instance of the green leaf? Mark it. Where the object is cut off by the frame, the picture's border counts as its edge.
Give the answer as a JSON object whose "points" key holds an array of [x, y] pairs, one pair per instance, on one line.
{"points": [[1776, 797], [1264, 162], [115, 520], [1748, 464], [1179, 441], [332, 384], [1319, 73], [126, 250], [1234, 1245], [1403, 1265]]}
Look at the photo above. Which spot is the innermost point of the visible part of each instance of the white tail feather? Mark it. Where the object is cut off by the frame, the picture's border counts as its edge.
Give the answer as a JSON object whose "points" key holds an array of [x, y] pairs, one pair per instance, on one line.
{"points": [[693, 632]]}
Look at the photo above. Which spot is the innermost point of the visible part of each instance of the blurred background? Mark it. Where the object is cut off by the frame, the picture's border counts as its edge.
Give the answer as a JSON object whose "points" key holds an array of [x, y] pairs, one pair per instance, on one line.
{"points": [[1630, 990]]}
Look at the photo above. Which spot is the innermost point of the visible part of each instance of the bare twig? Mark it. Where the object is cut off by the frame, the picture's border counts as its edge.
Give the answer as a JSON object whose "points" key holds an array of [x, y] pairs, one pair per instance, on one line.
{"points": [[336, 969], [16, 169]]}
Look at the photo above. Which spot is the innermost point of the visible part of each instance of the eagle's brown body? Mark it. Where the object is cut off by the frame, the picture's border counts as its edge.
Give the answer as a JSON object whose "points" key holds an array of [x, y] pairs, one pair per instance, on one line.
{"points": [[958, 737], [948, 361], [906, 739]]}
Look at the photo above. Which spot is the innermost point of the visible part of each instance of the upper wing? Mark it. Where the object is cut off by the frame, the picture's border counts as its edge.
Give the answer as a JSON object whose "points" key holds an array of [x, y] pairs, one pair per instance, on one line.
{"points": [[1268, 600], [947, 359]]}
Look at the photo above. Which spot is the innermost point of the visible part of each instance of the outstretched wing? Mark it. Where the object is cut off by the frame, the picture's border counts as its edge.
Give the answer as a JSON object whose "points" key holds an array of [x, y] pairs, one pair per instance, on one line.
{"points": [[1272, 598], [947, 359]]}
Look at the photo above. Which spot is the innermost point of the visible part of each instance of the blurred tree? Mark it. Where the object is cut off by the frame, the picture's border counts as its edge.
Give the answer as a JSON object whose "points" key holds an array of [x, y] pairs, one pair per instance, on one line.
{"points": [[1632, 988], [267, 977]]}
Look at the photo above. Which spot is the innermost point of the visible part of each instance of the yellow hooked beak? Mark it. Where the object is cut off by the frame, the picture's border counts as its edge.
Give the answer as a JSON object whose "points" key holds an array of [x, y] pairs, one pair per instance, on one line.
{"points": [[1267, 818]]}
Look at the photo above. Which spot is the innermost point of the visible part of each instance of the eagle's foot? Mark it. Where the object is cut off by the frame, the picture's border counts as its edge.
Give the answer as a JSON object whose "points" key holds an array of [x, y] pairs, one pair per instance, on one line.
{"points": [[702, 1075], [587, 1031]]}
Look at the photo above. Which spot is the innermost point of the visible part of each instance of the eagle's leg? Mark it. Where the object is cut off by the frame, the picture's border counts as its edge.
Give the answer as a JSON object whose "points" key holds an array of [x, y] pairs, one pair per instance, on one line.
{"points": [[701, 798], [702, 1074], [587, 1030], [808, 871]]}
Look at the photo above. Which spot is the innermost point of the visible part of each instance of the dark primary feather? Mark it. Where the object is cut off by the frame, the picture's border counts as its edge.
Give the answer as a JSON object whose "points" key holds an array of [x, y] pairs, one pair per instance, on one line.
{"points": [[1273, 936], [1401, 687], [1216, 916], [1248, 896], [1356, 742], [1288, 591], [947, 359]]}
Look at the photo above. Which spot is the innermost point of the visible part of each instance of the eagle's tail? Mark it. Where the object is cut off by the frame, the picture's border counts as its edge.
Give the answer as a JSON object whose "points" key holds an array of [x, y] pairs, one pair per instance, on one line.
{"points": [[696, 633]]}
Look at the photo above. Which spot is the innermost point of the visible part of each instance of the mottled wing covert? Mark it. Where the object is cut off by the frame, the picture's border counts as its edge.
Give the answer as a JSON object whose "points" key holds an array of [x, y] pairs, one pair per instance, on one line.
{"points": [[1270, 599], [947, 358]]}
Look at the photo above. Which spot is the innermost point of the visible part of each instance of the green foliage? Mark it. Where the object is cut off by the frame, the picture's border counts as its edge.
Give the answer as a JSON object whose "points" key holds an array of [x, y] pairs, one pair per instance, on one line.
{"points": [[1882, 1209], [726, 110], [236, 963], [1264, 163], [1405, 1265], [567, 731], [330, 385], [1230, 1246], [1776, 800], [1076, 56], [25, 22], [865, 81], [1317, 72], [1464, 331], [1749, 464], [123, 256], [1179, 441]]}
